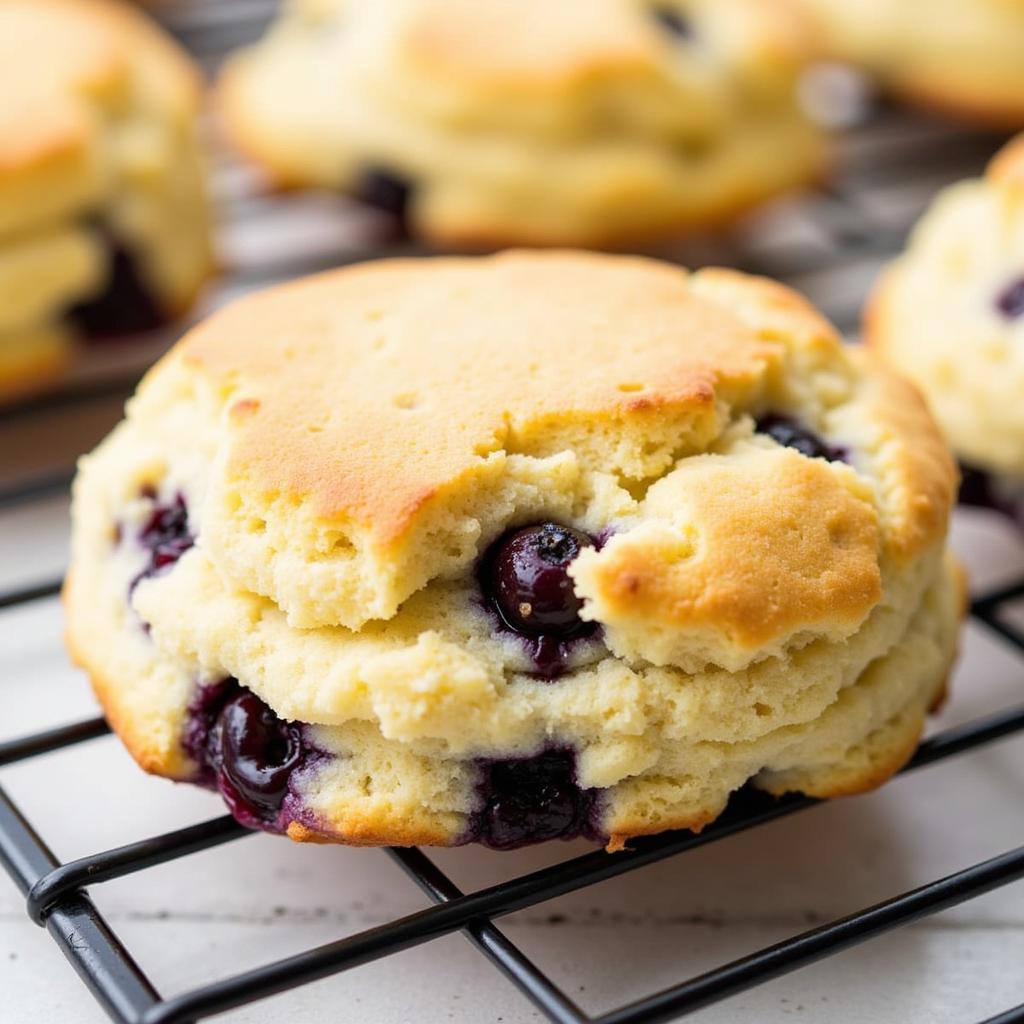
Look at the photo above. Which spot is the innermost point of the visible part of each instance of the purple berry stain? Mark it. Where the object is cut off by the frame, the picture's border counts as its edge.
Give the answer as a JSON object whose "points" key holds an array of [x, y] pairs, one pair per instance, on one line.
{"points": [[1010, 301], [791, 434], [531, 800], [125, 306], [524, 576], [165, 535], [386, 191]]}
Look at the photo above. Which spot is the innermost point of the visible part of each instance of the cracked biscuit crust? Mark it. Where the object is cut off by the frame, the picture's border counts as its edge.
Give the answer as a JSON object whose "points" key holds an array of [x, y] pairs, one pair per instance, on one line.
{"points": [[348, 446], [588, 122]]}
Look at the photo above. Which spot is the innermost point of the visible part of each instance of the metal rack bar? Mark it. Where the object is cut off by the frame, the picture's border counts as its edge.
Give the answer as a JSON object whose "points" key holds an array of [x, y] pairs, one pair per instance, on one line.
{"points": [[23, 595], [53, 887], [52, 739], [1014, 1016], [80, 931], [511, 961], [827, 940]]}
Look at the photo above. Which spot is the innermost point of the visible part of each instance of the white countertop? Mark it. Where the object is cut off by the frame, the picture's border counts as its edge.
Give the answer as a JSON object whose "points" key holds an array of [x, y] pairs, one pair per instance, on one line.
{"points": [[261, 898]]}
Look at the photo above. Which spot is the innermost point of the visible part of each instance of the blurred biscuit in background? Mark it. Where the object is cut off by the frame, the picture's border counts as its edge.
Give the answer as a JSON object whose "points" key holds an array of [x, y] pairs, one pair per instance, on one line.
{"points": [[104, 222], [485, 122], [949, 313]]}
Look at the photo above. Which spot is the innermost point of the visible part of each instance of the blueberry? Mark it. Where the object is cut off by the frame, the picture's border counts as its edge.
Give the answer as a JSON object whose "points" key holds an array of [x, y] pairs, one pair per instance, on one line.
{"points": [[791, 434], [531, 800], [981, 489], [253, 753], [126, 305], [526, 580], [385, 191], [165, 535], [672, 20], [1010, 301]]}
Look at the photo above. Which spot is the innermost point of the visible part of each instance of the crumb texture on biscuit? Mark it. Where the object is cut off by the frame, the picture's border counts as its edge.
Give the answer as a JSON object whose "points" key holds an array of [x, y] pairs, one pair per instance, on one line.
{"points": [[586, 122], [346, 448]]}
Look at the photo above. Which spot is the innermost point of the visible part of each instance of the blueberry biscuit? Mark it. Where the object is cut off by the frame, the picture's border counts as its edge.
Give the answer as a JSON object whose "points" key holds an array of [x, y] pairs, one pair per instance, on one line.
{"points": [[483, 122], [512, 548], [962, 57], [949, 313], [103, 219]]}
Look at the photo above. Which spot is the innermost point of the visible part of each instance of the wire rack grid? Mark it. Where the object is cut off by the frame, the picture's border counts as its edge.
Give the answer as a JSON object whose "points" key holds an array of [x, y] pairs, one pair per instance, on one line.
{"points": [[829, 245]]}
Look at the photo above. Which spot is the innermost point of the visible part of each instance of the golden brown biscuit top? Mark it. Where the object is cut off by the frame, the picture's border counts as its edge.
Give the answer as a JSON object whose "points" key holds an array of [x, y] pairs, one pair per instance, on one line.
{"points": [[68, 64], [372, 389], [364, 432]]}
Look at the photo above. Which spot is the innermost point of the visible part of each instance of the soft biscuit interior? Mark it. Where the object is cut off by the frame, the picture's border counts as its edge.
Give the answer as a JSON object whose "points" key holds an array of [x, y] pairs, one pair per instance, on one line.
{"points": [[348, 447]]}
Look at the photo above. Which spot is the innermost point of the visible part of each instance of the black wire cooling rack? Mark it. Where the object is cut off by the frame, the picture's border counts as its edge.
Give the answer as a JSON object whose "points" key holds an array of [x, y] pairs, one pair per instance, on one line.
{"points": [[56, 897], [829, 245]]}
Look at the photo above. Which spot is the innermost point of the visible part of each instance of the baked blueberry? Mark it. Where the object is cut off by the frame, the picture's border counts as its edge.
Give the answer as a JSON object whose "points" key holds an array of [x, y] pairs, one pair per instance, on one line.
{"points": [[385, 191], [166, 536], [527, 581], [253, 753], [1010, 301], [531, 800], [125, 306], [672, 20], [791, 434], [982, 489]]}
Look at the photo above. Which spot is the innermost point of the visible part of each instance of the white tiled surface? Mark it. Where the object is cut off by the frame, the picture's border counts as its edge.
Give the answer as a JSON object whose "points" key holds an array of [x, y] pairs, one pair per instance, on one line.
{"points": [[261, 898]]}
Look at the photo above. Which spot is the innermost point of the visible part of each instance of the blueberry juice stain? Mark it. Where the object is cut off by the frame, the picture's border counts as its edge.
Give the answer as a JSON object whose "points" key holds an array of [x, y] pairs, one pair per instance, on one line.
{"points": [[525, 581]]}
